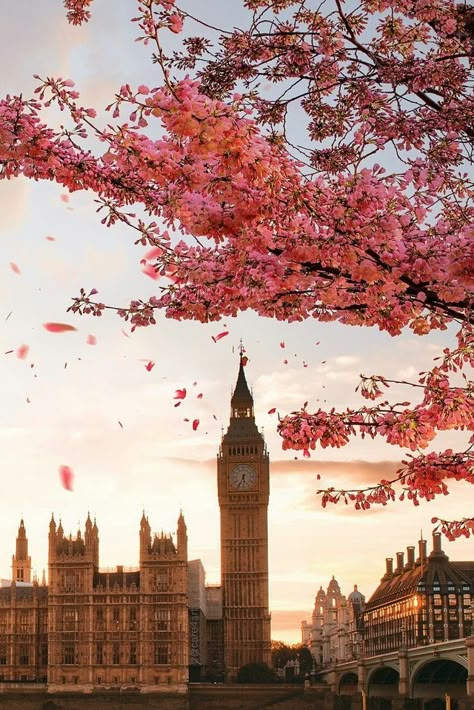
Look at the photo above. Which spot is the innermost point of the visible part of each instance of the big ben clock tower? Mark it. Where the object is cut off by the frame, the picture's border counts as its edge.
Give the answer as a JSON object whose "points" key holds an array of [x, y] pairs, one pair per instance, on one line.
{"points": [[243, 489]]}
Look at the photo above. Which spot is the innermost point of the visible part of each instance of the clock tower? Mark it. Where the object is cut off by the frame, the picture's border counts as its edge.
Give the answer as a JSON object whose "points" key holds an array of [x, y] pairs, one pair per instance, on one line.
{"points": [[243, 488]]}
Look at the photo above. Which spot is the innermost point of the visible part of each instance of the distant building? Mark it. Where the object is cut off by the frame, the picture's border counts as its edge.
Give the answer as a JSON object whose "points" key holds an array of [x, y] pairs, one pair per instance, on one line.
{"points": [[421, 601], [335, 631], [206, 656], [215, 668]]}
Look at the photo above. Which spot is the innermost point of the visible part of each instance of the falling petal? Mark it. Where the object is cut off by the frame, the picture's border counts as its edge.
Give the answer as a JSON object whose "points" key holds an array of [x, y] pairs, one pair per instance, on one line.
{"points": [[215, 417], [22, 351], [177, 404], [14, 267], [124, 333], [185, 419], [220, 335], [282, 344], [150, 366], [153, 253], [8, 316], [91, 340], [318, 477], [7, 352], [285, 362], [64, 197], [180, 394], [199, 395], [195, 424], [272, 410], [50, 239], [150, 271], [66, 475], [306, 453], [121, 425], [58, 327]]}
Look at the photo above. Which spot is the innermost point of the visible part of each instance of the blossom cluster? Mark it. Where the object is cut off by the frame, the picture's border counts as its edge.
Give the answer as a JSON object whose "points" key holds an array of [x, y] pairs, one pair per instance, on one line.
{"points": [[245, 213]]}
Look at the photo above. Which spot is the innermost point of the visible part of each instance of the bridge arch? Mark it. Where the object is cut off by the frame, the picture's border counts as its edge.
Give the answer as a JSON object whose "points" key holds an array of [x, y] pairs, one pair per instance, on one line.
{"points": [[383, 681], [432, 679], [347, 684]]}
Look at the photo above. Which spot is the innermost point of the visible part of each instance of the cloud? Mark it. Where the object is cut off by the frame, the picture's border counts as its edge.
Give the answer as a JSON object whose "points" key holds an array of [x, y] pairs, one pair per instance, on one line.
{"points": [[354, 472], [345, 360], [296, 482], [349, 473]]}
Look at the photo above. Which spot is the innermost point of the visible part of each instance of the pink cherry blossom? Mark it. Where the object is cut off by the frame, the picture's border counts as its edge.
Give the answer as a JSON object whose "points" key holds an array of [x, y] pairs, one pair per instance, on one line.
{"points": [[365, 219]]}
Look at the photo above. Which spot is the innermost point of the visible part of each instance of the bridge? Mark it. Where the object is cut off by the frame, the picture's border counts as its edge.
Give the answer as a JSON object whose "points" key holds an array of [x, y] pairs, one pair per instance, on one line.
{"points": [[423, 672]]}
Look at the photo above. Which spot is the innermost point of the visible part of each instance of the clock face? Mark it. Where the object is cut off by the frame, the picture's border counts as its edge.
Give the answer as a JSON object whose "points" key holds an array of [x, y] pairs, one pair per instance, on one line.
{"points": [[242, 477]]}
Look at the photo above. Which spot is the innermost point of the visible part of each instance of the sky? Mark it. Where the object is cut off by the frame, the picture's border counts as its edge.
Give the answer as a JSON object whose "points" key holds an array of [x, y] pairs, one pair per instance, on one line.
{"points": [[97, 409]]}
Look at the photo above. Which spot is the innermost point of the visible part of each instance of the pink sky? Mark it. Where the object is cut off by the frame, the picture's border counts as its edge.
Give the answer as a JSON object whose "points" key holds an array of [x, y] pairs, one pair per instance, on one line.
{"points": [[78, 393]]}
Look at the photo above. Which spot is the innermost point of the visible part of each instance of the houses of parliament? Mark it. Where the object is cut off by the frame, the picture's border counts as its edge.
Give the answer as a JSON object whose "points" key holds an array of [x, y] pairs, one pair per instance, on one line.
{"points": [[159, 625]]}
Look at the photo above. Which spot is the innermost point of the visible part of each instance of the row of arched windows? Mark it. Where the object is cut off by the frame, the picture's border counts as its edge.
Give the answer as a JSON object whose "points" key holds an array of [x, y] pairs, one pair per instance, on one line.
{"points": [[243, 451]]}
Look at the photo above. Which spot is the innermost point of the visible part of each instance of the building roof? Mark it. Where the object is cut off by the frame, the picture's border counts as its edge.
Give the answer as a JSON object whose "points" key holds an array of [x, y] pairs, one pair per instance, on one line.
{"points": [[241, 395], [434, 573]]}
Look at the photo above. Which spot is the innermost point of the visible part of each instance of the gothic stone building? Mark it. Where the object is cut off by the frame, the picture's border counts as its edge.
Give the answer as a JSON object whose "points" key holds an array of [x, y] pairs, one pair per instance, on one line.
{"points": [[90, 628]]}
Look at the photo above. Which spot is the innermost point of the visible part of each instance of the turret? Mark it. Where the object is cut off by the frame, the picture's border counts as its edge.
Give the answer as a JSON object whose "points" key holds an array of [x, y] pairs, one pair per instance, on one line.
{"points": [[95, 544], [52, 537], [88, 532], [182, 537], [145, 537], [21, 563]]}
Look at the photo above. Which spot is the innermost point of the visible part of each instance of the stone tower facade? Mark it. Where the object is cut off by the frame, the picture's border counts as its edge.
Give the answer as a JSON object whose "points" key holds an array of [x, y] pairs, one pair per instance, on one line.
{"points": [[21, 563], [122, 627], [243, 490]]}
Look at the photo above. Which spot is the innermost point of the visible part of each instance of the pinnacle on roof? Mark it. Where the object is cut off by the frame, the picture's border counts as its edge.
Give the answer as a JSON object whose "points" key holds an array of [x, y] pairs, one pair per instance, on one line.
{"points": [[241, 395]]}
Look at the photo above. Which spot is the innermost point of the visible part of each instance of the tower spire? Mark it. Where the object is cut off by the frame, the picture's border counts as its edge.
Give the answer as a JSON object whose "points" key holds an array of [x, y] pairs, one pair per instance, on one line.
{"points": [[21, 562], [242, 401]]}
